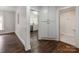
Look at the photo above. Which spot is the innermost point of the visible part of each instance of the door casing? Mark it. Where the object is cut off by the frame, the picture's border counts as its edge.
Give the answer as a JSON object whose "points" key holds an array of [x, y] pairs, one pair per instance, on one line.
{"points": [[58, 21]]}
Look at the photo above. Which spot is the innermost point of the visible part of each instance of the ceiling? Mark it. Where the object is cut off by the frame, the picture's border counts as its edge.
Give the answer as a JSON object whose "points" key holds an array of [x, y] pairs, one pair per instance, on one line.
{"points": [[8, 8]]}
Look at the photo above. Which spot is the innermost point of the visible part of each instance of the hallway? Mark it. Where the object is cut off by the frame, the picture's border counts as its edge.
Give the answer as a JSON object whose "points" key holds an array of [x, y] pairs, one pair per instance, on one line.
{"points": [[42, 46]]}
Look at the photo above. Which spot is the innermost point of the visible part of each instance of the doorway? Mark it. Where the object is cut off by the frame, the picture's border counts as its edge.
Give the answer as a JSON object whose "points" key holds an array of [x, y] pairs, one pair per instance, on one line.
{"points": [[67, 25], [33, 24]]}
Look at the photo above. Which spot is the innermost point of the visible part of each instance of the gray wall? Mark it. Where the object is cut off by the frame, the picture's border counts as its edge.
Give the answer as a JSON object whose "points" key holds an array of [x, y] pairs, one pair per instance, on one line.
{"points": [[9, 21]]}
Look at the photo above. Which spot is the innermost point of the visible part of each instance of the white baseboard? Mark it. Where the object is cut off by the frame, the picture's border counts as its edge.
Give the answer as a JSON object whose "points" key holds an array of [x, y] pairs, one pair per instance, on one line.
{"points": [[26, 48], [20, 39], [46, 38], [6, 32]]}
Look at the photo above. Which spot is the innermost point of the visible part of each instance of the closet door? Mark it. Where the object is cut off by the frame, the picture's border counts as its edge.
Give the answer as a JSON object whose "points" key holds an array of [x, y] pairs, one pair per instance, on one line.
{"points": [[52, 22], [43, 23]]}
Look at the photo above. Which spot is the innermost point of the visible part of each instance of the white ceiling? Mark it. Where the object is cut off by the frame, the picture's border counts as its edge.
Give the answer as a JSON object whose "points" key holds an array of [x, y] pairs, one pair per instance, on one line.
{"points": [[13, 8], [8, 8]]}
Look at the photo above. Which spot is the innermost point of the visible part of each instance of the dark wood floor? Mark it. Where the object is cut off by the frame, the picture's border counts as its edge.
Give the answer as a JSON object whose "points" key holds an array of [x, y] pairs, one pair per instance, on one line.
{"points": [[9, 43], [50, 46]]}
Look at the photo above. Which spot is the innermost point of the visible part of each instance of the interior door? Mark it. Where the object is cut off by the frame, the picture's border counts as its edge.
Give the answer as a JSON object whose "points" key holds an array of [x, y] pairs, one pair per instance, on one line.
{"points": [[43, 23], [52, 22], [47, 23]]}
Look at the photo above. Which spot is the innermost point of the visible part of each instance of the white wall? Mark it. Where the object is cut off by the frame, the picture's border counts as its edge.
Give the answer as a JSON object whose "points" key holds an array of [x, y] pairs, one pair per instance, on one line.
{"points": [[23, 28], [9, 21], [36, 8], [77, 27], [67, 22], [8, 8]]}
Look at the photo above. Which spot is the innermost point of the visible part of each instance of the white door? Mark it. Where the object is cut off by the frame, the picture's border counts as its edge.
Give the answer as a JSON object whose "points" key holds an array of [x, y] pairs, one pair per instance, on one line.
{"points": [[52, 22], [43, 23], [67, 27], [47, 23]]}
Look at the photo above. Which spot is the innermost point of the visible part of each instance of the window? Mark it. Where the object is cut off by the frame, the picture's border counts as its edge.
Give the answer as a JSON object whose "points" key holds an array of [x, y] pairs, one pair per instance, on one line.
{"points": [[1, 22]]}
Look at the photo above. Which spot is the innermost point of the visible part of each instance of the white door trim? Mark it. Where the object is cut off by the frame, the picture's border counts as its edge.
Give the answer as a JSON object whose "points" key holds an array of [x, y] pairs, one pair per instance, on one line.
{"points": [[58, 20]]}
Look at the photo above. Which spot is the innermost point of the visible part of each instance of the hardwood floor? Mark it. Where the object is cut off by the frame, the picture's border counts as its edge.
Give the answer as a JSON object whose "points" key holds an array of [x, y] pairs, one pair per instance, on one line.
{"points": [[65, 48], [50, 46], [9, 43]]}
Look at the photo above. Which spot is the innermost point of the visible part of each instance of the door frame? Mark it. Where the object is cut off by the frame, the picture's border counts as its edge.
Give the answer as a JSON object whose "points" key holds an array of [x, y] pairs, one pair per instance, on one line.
{"points": [[58, 20]]}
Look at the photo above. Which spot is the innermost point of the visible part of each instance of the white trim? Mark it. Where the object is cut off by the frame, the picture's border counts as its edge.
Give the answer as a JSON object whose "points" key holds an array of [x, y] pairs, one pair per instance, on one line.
{"points": [[58, 23], [20, 39], [6, 32], [58, 29], [63, 8], [28, 42], [58, 10]]}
